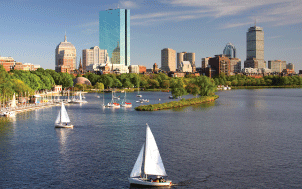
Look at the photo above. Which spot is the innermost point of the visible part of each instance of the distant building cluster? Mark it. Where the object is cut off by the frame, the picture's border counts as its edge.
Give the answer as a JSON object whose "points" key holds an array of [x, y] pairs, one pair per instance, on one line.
{"points": [[10, 64]]}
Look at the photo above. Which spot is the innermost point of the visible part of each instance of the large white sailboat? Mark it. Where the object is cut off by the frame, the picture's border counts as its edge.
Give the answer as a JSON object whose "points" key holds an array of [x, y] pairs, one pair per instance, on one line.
{"points": [[154, 169], [63, 120]]}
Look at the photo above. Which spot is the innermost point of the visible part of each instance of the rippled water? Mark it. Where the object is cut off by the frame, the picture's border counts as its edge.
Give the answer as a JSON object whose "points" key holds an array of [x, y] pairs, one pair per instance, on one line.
{"points": [[246, 139]]}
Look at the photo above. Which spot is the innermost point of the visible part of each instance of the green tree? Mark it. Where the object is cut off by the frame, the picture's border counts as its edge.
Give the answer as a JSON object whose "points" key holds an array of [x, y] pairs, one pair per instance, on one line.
{"points": [[99, 86], [206, 85], [177, 87]]}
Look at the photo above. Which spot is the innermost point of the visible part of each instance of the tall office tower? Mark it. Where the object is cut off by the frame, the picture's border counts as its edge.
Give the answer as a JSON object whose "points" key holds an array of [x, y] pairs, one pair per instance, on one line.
{"points": [[168, 60], [255, 48], [65, 57], [114, 34], [230, 50], [184, 56], [94, 55]]}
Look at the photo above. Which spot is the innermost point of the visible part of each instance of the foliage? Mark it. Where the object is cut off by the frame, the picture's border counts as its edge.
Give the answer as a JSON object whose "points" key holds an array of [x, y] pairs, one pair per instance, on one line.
{"points": [[177, 87], [175, 104], [99, 86]]}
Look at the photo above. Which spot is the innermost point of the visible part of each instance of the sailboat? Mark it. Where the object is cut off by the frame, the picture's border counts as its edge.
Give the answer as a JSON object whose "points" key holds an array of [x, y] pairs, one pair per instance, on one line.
{"points": [[113, 104], [138, 95], [154, 169], [63, 120], [103, 105], [80, 100], [126, 104], [9, 112]]}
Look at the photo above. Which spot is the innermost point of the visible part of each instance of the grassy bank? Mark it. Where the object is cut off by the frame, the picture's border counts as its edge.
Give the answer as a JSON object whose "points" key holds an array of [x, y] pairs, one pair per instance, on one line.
{"points": [[175, 104], [266, 87]]}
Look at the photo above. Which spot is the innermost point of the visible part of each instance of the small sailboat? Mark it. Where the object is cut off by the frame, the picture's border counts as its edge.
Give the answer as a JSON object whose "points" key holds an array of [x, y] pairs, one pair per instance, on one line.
{"points": [[103, 105], [154, 169], [113, 104], [125, 103], [63, 120], [138, 95], [80, 100]]}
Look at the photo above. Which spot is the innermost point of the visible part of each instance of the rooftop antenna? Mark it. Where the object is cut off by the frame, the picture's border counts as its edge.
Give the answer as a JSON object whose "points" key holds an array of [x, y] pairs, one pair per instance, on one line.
{"points": [[118, 6], [255, 22], [65, 39]]}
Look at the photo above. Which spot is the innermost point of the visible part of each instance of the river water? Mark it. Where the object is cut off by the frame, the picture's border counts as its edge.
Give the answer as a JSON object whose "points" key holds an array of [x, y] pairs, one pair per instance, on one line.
{"points": [[246, 139]]}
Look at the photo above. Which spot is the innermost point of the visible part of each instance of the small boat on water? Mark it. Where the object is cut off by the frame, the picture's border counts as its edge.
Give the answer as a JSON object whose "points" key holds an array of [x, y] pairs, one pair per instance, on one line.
{"points": [[78, 101], [9, 113], [113, 104], [63, 120], [125, 103], [154, 169], [139, 95]]}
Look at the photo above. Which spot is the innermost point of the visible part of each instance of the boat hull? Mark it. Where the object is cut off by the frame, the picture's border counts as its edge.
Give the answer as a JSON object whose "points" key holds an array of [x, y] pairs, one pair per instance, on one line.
{"points": [[144, 182], [63, 126]]}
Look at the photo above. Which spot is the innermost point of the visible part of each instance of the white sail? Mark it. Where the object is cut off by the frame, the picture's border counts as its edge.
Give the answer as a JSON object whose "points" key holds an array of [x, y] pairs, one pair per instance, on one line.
{"points": [[80, 96], [137, 169], [13, 104], [64, 115], [153, 162], [58, 118]]}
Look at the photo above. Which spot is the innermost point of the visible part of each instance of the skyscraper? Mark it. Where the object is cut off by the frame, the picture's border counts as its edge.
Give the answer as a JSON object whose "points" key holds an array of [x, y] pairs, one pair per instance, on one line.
{"points": [[255, 48], [230, 50], [114, 35], [65, 57], [168, 60]]}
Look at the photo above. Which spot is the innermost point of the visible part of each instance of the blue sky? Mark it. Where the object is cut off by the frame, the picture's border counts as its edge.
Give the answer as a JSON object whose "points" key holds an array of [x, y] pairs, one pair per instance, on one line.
{"points": [[31, 29]]}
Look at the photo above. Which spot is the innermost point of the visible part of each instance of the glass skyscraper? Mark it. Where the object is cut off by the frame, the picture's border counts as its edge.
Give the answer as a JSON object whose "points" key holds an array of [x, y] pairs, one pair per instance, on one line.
{"points": [[230, 50], [114, 35]]}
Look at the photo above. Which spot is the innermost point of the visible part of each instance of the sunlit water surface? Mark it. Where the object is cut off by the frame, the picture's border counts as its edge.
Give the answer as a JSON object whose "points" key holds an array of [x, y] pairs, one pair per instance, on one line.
{"points": [[246, 139]]}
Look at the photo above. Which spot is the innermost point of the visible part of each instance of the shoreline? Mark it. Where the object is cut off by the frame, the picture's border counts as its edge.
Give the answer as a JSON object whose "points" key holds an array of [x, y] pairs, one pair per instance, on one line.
{"points": [[21, 109]]}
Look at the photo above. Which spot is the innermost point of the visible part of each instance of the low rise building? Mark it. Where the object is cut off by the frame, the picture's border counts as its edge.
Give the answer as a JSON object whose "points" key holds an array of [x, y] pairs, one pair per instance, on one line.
{"points": [[155, 68], [7, 63], [220, 64], [235, 66], [185, 66], [134, 69], [142, 69], [277, 65]]}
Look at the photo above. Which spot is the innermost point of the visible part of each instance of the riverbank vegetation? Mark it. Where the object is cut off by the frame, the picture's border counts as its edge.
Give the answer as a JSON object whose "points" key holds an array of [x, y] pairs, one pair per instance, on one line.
{"points": [[26, 83], [267, 81], [176, 104]]}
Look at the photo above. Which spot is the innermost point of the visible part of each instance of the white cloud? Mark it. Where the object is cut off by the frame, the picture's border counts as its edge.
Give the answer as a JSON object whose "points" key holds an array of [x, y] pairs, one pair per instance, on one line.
{"points": [[128, 5], [271, 12]]}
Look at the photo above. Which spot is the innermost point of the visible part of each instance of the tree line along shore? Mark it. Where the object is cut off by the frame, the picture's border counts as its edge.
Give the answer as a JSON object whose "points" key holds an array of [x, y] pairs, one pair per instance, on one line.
{"points": [[25, 83]]}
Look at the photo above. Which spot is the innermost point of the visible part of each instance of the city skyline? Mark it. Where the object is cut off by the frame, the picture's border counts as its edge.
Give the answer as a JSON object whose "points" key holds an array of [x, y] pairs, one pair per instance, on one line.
{"points": [[31, 33]]}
